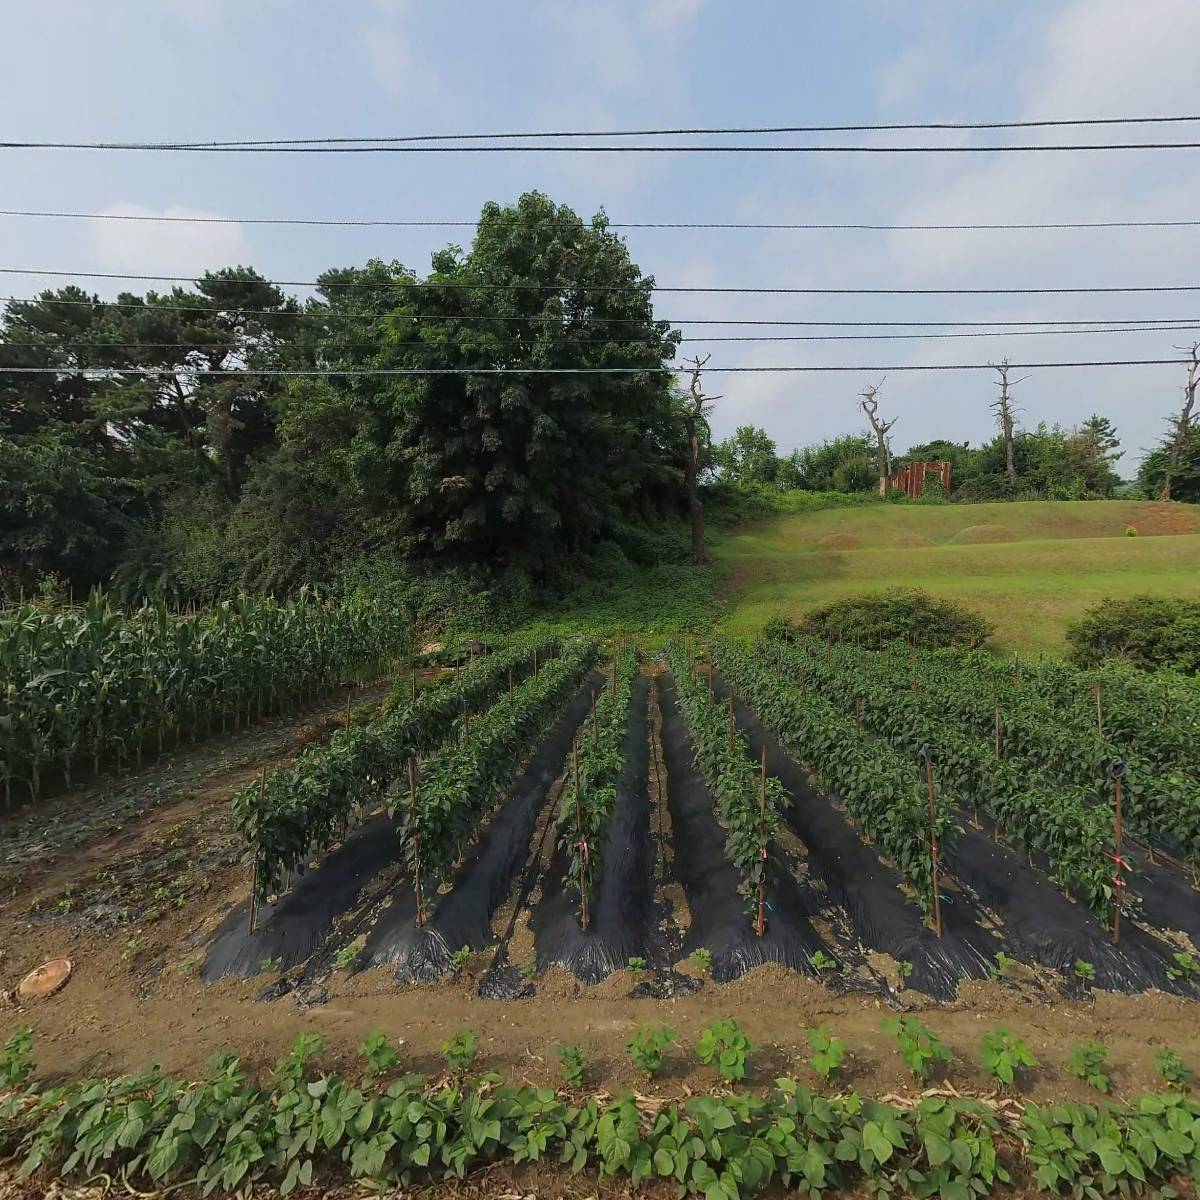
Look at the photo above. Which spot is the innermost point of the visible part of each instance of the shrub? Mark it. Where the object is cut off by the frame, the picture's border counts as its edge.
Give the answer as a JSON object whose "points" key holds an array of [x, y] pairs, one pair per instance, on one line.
{"points": [[897, 614], [379, 1052], [723, 1045], [1173, 1069], [1151, 632], [16, 1061]]}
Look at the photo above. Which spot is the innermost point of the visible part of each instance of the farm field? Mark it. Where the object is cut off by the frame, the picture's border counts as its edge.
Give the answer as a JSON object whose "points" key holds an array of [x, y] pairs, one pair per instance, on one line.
{"points": [[678, 883], [571, 842], [1029, 567]]}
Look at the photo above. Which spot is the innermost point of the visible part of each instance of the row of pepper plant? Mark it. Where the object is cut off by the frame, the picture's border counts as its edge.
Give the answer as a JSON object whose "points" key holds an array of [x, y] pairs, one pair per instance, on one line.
{"points": [[299, 809], [749, 803], [456, 786], [587, 803], [97, 684], [883, 791], [1060, 821], [1160, 803], [1154, 715]]}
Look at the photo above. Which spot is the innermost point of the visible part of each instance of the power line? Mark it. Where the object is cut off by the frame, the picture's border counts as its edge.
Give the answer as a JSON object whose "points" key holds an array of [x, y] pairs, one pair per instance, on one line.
{"points": [[592, 148], [617, 341], [472, 318], [1126, 289], [150, 372], [768, 226]]}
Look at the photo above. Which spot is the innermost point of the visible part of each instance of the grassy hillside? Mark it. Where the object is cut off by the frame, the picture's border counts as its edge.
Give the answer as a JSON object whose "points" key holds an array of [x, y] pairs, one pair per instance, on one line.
{"points": [[1030, 568]]}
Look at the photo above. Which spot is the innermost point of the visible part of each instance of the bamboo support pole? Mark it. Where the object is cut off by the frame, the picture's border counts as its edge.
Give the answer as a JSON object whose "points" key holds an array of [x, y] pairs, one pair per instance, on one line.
{"points": [[583, 846], [935, 866], [760, 924], [731, 720], [1099, 710], [412, 801], [858, 715]]}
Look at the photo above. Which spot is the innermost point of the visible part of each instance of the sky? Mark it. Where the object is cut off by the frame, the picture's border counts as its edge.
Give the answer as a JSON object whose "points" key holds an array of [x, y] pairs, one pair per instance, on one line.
{"points": [[220, 69]]}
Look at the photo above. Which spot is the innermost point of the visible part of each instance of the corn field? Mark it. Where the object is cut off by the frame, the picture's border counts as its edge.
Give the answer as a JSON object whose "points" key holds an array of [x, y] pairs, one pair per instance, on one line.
{"points": [[96, 684]]}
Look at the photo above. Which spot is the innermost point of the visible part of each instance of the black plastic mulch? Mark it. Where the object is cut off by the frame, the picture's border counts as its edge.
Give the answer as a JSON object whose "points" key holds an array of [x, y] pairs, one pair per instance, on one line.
{"points": [[620, 916], [462, 917], [719, 920], [288, 931], [1054, 931], [881, 916]]}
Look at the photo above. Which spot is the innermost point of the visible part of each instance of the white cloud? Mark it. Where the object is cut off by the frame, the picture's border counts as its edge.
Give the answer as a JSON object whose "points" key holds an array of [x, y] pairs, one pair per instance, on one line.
{"points": [[165, 248]]}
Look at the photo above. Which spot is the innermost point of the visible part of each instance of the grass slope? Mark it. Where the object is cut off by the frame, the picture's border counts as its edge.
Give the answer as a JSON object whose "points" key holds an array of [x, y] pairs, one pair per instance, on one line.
{"points": [[1030, 568]]}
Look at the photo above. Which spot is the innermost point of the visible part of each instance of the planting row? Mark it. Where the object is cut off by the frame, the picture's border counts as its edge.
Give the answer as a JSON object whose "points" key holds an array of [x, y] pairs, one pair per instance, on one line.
{"points": [[228, 1132], [90, 684], [883, 791], [1161, 800], [296, 810], [1060, 821], [453, 791]]}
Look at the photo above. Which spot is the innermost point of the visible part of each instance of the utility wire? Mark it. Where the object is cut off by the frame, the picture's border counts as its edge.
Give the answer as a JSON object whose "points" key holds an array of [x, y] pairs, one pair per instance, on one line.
{"points": [[617, 287], [555, 224], [472, 318], [591, 148], [150, 372], [615, 341]]}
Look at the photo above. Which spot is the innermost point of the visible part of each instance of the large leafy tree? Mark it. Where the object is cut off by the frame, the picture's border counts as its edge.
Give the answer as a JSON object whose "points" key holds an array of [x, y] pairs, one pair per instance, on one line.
{"points": [[506, 470]]}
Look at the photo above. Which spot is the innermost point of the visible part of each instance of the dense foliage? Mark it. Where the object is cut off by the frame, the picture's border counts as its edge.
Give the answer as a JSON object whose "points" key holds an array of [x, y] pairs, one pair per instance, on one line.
{"points": [[1151, 632], [1060, 821], [904, 614], [882, 790], [229, 1132], [1049, 729], [588, 800], [750, 813], [97, 683], [298, 809], [168, 475], [458, 784]]}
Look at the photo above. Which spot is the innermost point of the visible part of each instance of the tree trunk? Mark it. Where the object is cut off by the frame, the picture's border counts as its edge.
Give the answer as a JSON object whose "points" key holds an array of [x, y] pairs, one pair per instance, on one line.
{"points": [[881, 463], [695, 507], [1182, 426]]}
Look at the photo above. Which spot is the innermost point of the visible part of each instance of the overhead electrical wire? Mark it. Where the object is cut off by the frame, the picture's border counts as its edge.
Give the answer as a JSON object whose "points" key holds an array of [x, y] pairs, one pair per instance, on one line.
{"points": [[618, 341], [223, 310], [618, 288], [767, 226], [354, 372]]}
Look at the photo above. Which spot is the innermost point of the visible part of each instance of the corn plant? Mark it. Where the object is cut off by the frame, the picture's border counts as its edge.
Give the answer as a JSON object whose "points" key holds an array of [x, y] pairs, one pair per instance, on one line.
{"points": [[96, 684]]}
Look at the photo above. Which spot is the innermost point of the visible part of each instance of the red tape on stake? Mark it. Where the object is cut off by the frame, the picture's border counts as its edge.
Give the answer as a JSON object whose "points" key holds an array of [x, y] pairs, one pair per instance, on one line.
{"points": [[584, 847]]}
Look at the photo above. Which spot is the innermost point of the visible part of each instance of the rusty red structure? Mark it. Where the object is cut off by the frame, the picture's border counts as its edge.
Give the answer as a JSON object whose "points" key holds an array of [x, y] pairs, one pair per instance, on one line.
{"points": [[911, 478]]}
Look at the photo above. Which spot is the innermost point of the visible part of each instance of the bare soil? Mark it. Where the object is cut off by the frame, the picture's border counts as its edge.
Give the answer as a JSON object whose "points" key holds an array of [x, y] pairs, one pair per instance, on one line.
{"points": [[134, 905]]}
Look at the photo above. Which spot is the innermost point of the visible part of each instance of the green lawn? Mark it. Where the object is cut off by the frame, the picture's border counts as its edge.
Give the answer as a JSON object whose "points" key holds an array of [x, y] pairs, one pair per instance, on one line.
{"points": [[1030, 568]]}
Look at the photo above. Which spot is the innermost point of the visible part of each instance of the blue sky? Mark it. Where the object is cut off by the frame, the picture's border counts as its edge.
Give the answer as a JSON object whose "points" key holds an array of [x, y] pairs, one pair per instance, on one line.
{"points": [[198, 69]]}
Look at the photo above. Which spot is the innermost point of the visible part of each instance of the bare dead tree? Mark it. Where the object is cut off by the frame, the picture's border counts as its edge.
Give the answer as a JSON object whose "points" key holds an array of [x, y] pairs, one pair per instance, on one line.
{"points": [[1006, 415], [1183, 422], [695, 414], [883, 457]]}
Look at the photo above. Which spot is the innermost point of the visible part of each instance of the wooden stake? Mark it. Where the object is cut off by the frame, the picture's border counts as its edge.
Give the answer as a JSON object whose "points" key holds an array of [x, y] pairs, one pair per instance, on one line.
{"points": [[1099, 710], [614, 679], [414, 681], [1119, 881], [262, 792], [535, 665], [583, 859], [349, 693], [595, 724], [731, 720], [412, 803], [933, 848], [510, 681], [858, 715], [760, 924], [710, 681], [997, 730]]}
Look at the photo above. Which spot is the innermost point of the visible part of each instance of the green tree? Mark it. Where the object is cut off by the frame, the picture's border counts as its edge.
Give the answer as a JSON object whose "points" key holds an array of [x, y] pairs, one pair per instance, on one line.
{"points": [[747, 457], [1185, 481]]}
